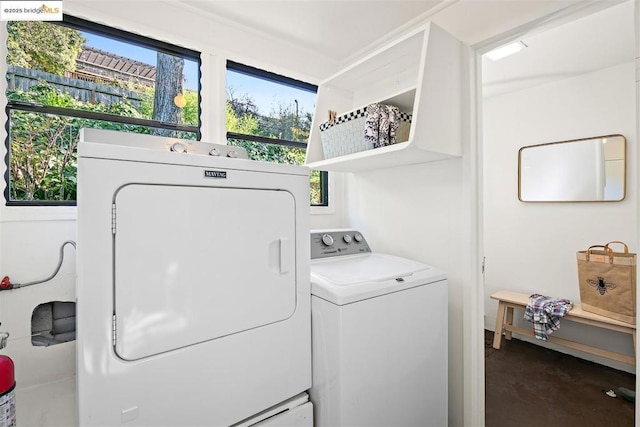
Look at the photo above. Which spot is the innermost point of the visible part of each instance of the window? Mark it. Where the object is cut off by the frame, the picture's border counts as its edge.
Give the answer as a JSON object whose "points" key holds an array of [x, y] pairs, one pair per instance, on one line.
{"points": [[270, 115], [63, 76]]}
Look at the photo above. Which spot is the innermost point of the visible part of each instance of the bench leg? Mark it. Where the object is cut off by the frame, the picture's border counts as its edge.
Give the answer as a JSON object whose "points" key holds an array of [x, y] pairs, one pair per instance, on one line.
{"points": [[507, 334], [497, 336]]}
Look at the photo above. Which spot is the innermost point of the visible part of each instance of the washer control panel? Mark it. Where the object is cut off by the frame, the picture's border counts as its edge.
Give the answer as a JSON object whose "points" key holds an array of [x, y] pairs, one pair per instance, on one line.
{"points": [[337, 243]]}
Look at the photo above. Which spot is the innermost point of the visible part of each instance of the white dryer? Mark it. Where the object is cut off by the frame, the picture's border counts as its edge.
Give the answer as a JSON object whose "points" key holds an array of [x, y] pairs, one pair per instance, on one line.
{"points": [[193, 283], [379, 333]]}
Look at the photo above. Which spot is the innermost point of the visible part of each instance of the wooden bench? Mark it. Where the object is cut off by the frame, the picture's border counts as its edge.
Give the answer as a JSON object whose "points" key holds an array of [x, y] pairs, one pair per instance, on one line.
{"points": [[508, 301]]}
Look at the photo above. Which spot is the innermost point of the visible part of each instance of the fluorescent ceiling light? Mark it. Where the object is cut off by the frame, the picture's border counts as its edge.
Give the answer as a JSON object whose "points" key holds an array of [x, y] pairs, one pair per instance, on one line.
{"points": [[506, 50]]}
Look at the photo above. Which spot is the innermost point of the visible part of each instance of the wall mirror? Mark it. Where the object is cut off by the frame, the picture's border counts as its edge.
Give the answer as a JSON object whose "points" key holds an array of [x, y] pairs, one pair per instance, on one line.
{"points": [[581, 170]]}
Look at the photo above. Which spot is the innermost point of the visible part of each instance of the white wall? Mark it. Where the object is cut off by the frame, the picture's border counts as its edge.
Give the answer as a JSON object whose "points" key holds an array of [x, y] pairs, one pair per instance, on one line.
{"points": [[30, 251], [531, 247], [30, 237], [333, 216]]}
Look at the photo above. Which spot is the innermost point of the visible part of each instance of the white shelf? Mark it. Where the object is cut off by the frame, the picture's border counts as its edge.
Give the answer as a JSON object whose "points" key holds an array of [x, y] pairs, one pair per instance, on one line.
{"points": [[379, 158], [421, 74]]}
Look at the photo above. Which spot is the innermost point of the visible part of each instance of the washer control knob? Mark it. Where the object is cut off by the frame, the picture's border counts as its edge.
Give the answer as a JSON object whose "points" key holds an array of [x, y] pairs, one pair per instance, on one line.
{"points": [[327, 239], [358, 237], [347, 238], [179, 147], [214, 152], [232, 153]]}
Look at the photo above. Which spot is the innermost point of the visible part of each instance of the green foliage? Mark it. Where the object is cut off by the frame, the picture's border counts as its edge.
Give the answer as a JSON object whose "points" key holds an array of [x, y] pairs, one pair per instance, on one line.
{"points": [[146, 103], [191, 110], [246, 124], [315, 188], [270, 152], [43, 157], [42, 46], [283, 123]]}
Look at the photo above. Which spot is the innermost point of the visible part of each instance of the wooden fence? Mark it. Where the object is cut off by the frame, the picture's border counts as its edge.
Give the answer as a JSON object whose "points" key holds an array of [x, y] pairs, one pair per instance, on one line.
{"points": [[19, 78]]}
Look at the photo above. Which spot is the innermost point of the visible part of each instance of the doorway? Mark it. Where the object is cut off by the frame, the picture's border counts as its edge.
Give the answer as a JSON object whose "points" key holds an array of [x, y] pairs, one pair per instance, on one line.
{"points": [[573, 77]]}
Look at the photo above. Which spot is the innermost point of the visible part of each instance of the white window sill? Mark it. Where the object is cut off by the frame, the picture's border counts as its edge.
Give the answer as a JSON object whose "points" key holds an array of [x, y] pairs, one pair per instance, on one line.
{"points": [[322, 210], [37, 213]]}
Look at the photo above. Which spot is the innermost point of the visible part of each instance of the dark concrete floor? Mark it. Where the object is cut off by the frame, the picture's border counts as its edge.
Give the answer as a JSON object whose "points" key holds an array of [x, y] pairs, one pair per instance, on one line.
{"points": [[529, 385]]}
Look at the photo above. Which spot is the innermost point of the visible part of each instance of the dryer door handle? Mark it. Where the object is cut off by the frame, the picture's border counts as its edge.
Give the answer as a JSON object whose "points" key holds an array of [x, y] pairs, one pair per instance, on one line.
{"points": [[285, 250]]}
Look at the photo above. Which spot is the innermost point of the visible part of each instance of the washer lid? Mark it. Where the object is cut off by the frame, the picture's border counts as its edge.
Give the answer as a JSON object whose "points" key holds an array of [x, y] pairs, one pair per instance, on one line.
{"points": [[347, 279]]}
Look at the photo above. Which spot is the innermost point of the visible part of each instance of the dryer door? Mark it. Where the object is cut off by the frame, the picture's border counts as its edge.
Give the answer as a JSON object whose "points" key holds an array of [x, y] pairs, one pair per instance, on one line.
{"points": [[192, 264]]}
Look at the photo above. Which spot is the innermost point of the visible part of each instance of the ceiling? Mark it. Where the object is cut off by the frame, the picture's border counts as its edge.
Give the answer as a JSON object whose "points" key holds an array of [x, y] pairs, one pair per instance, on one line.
{"points": [[334, 29], [340, 30], [593, 42]]}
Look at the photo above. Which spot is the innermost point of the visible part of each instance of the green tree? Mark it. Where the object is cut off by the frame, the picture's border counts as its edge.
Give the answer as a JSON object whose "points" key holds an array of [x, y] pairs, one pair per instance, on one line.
{"points": [[286, 122], [41, 46], [243, 105]]}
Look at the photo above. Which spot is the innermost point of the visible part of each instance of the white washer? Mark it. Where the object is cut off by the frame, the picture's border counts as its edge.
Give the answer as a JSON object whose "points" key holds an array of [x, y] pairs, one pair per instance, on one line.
{"points": [[379, 333], [193, 283]]}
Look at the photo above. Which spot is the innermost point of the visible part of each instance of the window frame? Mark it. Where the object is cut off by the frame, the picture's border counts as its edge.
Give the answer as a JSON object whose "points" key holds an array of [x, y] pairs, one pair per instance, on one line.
{"points": [[119, 35], [287, 81]]}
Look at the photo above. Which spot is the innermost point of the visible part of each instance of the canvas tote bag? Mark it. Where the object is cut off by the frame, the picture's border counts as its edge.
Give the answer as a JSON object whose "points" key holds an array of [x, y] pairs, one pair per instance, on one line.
{"points": [[608, 282]]}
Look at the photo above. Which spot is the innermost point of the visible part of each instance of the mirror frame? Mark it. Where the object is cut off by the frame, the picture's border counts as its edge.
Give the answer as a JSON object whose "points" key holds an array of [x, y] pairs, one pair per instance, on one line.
{"points": [[624, 184]]}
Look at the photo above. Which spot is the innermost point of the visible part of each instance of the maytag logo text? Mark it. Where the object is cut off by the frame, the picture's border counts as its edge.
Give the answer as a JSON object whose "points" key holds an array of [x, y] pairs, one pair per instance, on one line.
{"points": [[215, 174]]}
